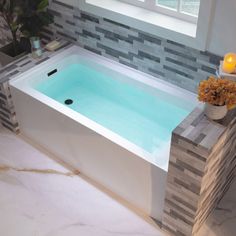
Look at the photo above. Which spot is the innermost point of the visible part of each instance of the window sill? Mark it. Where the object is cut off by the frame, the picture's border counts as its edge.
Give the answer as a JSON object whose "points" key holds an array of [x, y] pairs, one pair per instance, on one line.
{"points": [[180, 31], [146, 16]]}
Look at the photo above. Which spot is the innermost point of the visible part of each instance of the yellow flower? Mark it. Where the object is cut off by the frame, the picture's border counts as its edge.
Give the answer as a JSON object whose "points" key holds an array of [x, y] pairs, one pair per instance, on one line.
{"points": [[217, 91]]}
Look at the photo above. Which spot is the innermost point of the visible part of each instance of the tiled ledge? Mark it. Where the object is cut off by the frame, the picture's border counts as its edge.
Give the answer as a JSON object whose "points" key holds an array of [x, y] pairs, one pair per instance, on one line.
{"points": [[201, 167], [7, 112], [26, 62], [201, 131]]}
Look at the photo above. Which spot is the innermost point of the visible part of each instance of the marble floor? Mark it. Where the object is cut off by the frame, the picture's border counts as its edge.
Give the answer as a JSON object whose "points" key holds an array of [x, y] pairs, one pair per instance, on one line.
{"points": [[39, 197]]}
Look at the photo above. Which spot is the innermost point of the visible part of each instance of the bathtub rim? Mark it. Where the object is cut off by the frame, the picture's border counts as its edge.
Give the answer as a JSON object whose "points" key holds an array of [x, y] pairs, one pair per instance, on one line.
{"points": [[19, 82], [142, 77]]}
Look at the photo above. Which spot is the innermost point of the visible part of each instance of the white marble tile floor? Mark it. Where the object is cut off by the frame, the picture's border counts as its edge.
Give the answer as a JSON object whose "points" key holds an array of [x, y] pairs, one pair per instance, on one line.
{"points": [[39, 197]]}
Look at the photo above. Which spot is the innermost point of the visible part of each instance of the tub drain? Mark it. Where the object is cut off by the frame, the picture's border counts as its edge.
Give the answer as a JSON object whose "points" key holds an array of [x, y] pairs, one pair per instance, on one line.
{"points": [[68, 101]]}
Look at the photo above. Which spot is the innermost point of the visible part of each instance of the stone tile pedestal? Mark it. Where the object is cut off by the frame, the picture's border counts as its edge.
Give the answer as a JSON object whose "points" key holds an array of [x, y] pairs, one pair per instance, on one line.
{"points": [[201, 168]]}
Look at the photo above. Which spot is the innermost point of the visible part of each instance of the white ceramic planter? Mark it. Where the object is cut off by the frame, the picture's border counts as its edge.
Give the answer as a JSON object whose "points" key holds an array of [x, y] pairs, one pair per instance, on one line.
{"points": [[215, 112]]}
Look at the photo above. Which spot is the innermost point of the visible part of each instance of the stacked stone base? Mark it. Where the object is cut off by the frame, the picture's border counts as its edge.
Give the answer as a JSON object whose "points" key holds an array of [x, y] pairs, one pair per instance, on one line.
{"points": [[201, 168]]}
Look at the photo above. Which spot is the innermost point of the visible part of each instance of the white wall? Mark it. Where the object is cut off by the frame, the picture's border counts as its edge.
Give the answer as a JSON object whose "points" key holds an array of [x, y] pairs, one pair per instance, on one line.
{"points": [[222, 35]]}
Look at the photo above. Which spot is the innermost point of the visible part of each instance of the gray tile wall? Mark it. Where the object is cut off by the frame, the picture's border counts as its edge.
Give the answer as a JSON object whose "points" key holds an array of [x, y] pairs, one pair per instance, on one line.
{"points": [[159, 57]]}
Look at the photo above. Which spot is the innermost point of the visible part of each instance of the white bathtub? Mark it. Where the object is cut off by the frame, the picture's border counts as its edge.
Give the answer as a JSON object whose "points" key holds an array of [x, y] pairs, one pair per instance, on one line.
{"points": [[106, 157]]}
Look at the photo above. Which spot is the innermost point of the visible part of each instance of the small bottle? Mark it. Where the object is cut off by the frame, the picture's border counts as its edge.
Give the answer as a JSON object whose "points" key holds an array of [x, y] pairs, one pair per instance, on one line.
{"points": [[36, 48]]}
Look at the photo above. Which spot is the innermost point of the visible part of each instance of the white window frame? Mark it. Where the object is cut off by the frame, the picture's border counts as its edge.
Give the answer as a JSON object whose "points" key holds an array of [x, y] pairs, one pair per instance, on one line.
{"points": [[152, 6], [194, 35]]}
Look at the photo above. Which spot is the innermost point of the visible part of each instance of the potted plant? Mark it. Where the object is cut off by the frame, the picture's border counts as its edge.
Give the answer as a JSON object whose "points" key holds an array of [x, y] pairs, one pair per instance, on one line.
{"points": [[24, 19], [219, 96]]}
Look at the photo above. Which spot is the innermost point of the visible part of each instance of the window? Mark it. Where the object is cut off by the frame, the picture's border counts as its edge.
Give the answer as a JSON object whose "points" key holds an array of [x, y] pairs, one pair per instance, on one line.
{"points": [[184, 21], [183, 9]]}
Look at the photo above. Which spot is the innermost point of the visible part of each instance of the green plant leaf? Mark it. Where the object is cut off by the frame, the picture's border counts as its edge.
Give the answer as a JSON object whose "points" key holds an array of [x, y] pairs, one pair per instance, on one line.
{"points": [[27, 16], [42, 5], [14, 26], [5, 5], [18, 10]]}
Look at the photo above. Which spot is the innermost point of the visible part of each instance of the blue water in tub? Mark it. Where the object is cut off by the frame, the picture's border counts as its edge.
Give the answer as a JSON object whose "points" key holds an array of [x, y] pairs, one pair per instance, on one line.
{"points": [[144, 118]]}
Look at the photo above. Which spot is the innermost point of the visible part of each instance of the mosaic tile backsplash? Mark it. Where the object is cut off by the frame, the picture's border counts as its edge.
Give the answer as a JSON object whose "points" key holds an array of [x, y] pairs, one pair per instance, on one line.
{"points": [[159, 57]]}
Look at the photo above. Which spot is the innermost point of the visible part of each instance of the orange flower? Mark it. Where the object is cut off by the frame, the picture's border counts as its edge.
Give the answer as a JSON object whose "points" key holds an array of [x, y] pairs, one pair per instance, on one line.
{"points": [[217, 91]]}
